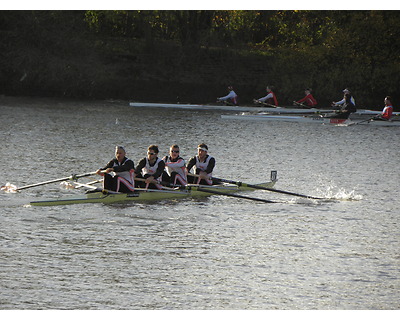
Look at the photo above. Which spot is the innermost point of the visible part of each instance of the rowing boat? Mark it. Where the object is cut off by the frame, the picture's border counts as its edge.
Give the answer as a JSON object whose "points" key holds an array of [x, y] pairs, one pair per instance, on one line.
{"points": [[308, 119], [228, 108], [151, 194], [271, 110]]}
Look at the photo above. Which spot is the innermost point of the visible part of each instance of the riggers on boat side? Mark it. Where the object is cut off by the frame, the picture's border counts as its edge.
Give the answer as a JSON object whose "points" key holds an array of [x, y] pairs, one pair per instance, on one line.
{"points": [[271, 110], [309, 119], [151, 194]]}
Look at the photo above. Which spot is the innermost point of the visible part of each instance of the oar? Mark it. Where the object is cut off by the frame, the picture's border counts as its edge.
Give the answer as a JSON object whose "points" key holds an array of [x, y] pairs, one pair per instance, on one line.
{"points": [[73, 177], [354, 123], [160, 183], [254, 186], [264, 103], [302, 105], [207, 190]]}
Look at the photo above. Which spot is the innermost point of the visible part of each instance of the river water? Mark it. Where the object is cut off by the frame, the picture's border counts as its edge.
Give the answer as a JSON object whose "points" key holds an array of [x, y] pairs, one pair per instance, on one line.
{"points": [[212, 253]]}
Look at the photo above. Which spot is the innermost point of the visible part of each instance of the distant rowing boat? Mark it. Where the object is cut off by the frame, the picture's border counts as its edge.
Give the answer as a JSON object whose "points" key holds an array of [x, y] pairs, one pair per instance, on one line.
{"points": [[227, 108], [308, 119], [151, 194], [271, 110]]}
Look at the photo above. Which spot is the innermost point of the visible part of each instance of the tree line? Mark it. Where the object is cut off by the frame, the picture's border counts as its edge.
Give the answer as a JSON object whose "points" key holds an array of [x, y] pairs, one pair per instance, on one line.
{"points": [[193, 55]]}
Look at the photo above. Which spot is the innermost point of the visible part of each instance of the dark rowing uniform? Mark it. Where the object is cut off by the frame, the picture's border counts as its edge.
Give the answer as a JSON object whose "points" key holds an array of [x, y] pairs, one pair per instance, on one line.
{"points": [[206, 166], [122, 181], [349, 107], [146, 169]]}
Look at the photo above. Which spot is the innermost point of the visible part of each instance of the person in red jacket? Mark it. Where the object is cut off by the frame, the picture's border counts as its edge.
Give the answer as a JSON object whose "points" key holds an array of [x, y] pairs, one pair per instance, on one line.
{"points": [[269, 99], [387, 111], [308, 100]]}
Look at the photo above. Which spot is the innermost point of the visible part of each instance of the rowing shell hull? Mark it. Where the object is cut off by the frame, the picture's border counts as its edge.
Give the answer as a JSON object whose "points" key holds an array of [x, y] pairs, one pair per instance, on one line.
{"points": [[150, 195], [227, 108], [299, 119], [277, 110]]}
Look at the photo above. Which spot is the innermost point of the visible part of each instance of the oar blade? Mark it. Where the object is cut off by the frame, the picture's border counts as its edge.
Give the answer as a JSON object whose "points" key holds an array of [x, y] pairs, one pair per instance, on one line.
{"points": [[9, 188]]}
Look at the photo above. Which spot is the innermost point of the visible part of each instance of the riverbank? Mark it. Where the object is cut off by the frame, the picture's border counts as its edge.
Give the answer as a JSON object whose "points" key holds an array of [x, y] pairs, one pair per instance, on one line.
{"points": [[93, 67]]}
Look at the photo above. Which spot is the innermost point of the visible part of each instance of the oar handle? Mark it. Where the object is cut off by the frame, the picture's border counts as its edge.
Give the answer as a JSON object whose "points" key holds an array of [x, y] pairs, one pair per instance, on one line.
{"points": [[163, 185], [301, 104]]}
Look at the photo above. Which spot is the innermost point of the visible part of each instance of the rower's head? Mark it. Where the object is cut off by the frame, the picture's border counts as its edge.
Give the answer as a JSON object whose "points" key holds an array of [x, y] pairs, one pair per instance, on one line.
{"points": [[120, 153], [230, 88], [346, 91], [202, 150], [388, 101], [347, 97], [269, 88], [152, 152], [307, 91], [174, 151]]}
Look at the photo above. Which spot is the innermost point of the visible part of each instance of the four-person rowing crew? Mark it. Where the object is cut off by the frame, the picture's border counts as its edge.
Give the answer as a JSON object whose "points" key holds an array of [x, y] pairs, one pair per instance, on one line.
{"points": [[152, 172], [347, 105]]}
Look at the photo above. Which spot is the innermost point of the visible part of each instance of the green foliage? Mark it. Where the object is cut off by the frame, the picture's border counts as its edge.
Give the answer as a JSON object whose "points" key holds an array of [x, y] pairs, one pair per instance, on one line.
{"points": [[103, 53]]}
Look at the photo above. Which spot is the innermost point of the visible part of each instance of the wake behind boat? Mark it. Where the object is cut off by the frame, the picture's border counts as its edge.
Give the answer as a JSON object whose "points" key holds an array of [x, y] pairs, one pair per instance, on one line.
{"points": [[309, 119]]}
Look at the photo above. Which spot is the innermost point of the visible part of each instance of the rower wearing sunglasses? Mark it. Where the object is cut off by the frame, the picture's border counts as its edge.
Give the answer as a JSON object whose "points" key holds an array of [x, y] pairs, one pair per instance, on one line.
{"points": [[204, 165], [150, 168], [175, 167]]}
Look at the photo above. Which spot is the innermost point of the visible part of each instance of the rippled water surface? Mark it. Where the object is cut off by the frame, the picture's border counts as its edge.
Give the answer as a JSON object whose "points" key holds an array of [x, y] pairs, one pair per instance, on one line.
{"points": [[212, 253]]}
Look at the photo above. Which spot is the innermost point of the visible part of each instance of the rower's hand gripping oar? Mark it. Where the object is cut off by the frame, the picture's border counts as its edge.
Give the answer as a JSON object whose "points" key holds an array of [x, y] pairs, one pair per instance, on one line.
{"points": [[238, 183], [163, 185], [255, 101], [72, 177], [301, 105], [206, 189]]}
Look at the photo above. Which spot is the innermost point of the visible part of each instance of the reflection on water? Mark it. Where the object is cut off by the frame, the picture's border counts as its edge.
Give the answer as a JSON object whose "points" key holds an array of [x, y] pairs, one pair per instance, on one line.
{"points": [[213, 253]]}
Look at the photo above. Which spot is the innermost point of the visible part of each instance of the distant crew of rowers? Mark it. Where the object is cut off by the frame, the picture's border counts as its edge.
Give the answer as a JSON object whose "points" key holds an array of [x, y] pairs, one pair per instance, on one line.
{"points": [[345, 106], [152, 172]]}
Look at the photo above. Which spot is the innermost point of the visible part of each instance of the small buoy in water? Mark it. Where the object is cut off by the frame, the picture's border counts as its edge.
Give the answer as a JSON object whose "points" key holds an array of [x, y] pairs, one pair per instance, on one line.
{"points": [[116, 121]]}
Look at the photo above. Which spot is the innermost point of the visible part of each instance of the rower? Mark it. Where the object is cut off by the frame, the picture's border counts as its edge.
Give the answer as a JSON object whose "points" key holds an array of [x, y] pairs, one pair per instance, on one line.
{"points": [[175, 167], [270, 98], [309, 100], [341, 102], [387, 111], [118, 173], [347, 108], [230, 98], [204, 165], [151, 169]]}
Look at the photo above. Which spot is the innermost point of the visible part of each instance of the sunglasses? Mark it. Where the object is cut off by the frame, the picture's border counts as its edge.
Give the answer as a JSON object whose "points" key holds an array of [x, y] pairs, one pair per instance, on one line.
{"points": [[175, 151], [151, 153]]}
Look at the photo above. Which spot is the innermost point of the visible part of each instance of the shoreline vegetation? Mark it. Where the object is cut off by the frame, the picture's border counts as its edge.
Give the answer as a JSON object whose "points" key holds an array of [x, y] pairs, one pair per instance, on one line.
{"points": [[192, 56]]}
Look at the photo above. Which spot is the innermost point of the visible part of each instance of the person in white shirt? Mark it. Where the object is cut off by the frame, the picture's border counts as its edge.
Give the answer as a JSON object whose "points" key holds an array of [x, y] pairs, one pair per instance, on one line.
{"points": [[175, 167], [270, 99], [341, 102], [230, 98], [204, 165]]}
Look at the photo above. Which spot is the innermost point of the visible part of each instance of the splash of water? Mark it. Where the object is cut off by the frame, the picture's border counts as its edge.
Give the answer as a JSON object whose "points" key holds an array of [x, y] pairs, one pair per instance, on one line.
{"points": [[337, 193], [9, 188]]}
